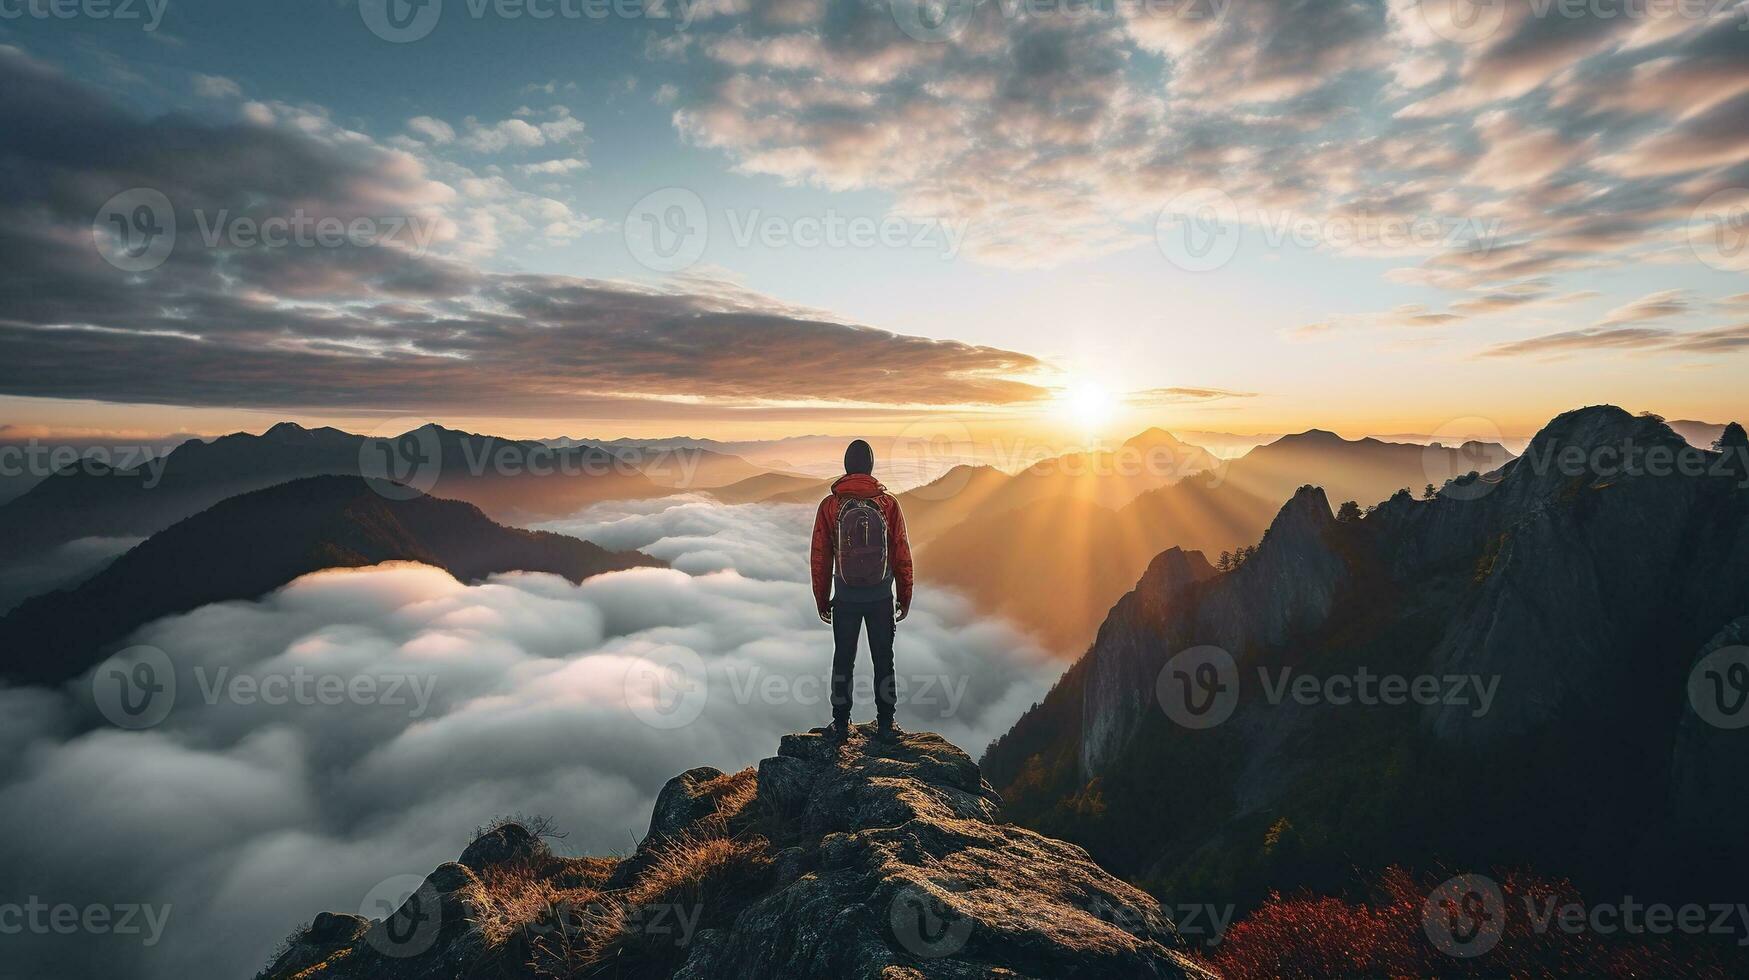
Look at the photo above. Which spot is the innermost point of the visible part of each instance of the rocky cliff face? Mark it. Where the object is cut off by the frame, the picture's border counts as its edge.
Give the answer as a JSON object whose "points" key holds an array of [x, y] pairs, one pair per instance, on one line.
{"points": [[1289, 585], [1118, 687], [861, 860]]}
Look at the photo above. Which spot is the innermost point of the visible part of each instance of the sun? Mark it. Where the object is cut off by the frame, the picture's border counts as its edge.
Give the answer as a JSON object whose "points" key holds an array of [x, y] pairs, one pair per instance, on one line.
{"points": [[1088, 404]]}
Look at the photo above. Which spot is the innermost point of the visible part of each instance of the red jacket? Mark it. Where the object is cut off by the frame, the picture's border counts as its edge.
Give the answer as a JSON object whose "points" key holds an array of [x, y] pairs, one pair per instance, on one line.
{"points": [[826, 537]]}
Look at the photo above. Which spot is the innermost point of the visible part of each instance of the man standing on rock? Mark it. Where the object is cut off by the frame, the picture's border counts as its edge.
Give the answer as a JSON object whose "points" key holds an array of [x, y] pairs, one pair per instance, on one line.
{"points": [[860, 553]]}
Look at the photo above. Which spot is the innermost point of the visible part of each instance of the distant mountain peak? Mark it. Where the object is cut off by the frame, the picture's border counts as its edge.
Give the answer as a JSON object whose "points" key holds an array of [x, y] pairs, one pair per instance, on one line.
{"points": [[1154, 436], [1597, 426], [1308, 502], [1314, 436], [1173, 568]]}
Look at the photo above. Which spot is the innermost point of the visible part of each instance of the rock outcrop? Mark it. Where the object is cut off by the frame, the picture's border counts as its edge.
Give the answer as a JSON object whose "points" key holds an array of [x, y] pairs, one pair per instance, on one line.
{"points": [[861, 860]]}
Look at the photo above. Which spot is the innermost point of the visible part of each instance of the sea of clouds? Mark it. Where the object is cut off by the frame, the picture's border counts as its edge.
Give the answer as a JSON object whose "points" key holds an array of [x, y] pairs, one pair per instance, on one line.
{"points": [[355, 727]]}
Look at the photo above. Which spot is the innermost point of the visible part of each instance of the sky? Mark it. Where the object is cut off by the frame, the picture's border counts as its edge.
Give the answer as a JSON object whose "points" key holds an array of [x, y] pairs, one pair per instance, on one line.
{"points": [[755, 218]]}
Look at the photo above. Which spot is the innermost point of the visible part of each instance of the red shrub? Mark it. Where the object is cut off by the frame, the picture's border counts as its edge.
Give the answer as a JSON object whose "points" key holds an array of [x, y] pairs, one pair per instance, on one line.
{"points": [[1305, 935]]}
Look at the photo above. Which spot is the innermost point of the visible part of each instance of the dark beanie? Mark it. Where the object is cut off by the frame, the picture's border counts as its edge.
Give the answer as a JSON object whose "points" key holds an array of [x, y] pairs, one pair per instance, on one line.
{"points": [[859, 458]]}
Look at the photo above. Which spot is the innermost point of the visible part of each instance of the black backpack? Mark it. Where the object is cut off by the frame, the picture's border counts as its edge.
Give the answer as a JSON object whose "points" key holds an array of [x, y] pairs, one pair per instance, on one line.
{"points": [[862, 543]]}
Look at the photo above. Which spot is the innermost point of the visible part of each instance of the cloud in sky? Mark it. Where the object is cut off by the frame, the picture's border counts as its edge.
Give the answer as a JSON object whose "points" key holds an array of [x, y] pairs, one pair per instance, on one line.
{"points": [[1718, 340], [405, 323], [1181, 395], [1582, 140], [1666, 303], [245, 818]]}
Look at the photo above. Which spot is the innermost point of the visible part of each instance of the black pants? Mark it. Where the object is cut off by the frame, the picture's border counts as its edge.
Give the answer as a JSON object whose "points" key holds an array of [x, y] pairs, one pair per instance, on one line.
{"points": [[847, 621]]}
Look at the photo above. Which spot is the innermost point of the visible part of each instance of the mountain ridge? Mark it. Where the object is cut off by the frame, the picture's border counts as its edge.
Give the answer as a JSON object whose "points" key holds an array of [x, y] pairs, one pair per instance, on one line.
{"points": [[250, 544], [509, 479]]}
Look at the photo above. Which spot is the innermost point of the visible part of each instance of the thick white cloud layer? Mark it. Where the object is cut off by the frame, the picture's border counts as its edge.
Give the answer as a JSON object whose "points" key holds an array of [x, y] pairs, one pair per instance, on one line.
{"points": [[524, 693]]}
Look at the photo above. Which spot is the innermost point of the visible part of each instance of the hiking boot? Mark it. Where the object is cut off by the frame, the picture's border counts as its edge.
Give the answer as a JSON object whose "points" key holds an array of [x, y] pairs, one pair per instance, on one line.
{"points": [[888, 732], [838, 730]]}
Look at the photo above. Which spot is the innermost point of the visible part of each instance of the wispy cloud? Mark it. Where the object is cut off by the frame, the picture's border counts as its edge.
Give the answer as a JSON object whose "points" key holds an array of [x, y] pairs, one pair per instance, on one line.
{"points": [[1168, 396], [1720, 340]]}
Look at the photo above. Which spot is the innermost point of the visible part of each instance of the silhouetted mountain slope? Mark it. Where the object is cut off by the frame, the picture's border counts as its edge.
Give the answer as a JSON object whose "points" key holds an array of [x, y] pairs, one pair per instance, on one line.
{"points": [[1578, 594], [767, 487], [955, 496], [1056, 565], [508, 479], [251, 544], [863, 860], [1363, 470], [1108, 477]]}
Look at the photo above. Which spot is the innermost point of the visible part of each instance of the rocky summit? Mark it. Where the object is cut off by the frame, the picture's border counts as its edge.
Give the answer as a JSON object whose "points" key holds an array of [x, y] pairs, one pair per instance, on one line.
{"points": [[858, 859]]}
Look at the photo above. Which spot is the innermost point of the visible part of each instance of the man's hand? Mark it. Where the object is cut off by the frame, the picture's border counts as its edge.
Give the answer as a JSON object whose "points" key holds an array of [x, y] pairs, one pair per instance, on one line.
{"points": [[902, 612], [826, 615]]}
